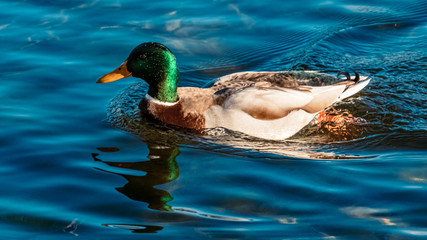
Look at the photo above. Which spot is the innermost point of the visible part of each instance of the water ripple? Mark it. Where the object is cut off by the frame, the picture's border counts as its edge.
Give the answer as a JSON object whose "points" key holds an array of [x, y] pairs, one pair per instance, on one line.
{"points": [[67, 170]]}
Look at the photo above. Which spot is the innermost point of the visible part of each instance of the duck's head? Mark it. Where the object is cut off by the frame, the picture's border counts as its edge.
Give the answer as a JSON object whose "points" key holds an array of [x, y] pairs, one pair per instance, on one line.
{"points": [[155, 64]]}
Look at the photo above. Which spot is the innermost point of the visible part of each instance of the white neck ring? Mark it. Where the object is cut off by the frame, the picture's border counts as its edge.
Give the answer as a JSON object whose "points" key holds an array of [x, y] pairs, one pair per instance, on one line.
{"points": [[157, 101]]}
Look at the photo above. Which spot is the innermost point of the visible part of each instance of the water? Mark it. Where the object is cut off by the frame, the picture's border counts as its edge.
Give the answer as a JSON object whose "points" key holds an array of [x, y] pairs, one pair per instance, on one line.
{"points": [[77, 160]]}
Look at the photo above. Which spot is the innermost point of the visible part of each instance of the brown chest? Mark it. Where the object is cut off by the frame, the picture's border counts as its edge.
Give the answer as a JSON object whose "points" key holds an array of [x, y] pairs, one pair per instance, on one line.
{"points": [[174, 115]]}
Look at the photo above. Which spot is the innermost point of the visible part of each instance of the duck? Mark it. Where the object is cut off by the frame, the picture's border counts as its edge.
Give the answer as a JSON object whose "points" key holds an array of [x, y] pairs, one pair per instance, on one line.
{"points": [[268, 105]]}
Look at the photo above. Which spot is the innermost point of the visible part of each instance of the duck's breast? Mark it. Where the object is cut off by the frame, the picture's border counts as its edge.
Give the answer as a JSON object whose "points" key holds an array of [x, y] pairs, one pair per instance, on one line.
{"points": [[186, 113]]}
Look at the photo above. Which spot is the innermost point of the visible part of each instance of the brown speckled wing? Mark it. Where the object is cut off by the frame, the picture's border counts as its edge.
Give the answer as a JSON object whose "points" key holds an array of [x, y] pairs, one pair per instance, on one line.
{"points": [[229, 84], [249, 79]]}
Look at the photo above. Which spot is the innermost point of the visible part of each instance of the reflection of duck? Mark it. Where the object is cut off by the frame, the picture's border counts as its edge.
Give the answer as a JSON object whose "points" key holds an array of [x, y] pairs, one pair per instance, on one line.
{"points": [[268, 105], [160, 169]]}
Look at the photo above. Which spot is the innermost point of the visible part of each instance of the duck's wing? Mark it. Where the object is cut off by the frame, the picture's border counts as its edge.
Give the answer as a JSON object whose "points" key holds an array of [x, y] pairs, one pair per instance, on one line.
{"points": [[274, 103], [262, 79], [273, 95], [267, 103]]}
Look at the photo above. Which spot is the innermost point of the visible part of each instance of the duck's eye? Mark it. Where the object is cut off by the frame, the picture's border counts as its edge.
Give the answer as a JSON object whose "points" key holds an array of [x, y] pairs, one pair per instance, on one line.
{"points": [[142, 56]]}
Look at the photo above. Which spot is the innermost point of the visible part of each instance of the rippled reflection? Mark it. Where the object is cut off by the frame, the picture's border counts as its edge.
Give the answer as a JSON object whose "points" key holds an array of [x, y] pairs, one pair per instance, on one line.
{"points": [[136, 228], [160, 168], [369, 213]]}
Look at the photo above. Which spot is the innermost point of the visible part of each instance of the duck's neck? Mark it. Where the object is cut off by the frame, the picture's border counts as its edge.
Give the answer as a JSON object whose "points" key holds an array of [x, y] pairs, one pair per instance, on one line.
{"points": [[165, 89]]}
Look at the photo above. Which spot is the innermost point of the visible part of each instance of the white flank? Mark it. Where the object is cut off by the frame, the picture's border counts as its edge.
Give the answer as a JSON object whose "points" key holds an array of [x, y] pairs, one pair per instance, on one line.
{"points": [[238, 120]]}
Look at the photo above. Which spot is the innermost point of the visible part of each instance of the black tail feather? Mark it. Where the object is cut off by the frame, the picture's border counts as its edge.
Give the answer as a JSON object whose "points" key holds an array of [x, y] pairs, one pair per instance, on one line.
{"points": [[348, 78]]}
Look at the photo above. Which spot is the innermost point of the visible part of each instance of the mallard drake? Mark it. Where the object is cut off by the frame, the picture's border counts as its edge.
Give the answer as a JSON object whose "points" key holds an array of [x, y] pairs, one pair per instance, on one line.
{"points": [[270, 105]]}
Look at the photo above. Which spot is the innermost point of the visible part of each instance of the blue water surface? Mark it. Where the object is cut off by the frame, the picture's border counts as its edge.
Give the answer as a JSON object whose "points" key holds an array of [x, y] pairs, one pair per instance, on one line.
{"points": [[78, 161]]}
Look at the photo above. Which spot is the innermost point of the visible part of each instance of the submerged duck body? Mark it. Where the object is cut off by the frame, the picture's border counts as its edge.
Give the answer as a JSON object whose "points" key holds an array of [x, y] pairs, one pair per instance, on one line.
{"points": [[270, 105]]}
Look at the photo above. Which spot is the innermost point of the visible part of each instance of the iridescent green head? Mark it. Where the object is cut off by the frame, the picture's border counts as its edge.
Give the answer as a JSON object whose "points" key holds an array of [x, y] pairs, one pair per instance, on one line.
{"points": [[155, 64]]}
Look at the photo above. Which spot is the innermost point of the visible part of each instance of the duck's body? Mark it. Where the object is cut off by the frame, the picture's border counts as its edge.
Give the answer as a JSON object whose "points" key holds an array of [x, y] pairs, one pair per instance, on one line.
{"points": [[269, 105]]}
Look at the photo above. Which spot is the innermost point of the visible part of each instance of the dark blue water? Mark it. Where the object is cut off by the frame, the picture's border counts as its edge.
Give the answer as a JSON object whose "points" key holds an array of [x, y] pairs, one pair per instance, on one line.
{"points": [[77, 160]]}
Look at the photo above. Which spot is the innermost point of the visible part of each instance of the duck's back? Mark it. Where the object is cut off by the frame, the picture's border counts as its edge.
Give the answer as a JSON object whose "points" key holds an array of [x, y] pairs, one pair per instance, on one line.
{"points": [[248, 79]]}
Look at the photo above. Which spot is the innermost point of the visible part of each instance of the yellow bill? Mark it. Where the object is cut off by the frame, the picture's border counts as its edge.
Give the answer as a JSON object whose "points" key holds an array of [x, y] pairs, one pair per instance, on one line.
{"points": [[119, 73]]}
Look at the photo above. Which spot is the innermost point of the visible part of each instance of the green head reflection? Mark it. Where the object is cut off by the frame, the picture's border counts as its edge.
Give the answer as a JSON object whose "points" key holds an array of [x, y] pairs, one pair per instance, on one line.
{"points": [[160, 168]]}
